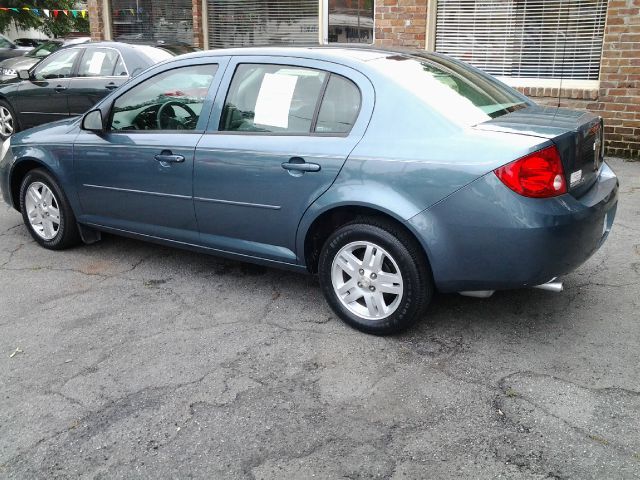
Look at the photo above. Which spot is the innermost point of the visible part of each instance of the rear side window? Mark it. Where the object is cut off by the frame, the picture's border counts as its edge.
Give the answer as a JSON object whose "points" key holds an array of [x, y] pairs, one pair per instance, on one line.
{"points": [[272, 99], [98, 62], [340, 106]]}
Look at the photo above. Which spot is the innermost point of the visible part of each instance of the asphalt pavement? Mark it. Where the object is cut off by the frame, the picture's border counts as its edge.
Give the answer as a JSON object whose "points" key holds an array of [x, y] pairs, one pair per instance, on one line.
{"points": [[129, 360]]}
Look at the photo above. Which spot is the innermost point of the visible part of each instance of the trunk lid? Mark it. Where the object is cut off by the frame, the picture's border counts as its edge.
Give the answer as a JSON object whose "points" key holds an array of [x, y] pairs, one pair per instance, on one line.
{"points": [[577, 135]]}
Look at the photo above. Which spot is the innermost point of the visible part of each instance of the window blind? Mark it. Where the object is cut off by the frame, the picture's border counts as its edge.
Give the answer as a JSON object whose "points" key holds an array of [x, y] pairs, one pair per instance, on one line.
{"points": [[148, 21], [236, 23], [524, 38]]}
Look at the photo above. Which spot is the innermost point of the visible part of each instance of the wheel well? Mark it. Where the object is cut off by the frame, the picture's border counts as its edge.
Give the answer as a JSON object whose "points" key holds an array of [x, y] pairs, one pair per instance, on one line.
{"points": [[327, 223], [17, 176]]}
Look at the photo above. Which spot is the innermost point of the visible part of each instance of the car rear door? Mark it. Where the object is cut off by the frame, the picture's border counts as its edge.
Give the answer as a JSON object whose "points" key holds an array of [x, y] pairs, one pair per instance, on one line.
{"points": [[100, 71], [280, 131], [44, 97], [137, 176]]}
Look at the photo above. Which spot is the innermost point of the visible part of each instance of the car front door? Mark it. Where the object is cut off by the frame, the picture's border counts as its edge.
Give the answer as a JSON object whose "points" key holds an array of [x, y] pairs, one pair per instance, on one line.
{"points": [[100, 71], [137, 175], [44, 97], [280, 132]]}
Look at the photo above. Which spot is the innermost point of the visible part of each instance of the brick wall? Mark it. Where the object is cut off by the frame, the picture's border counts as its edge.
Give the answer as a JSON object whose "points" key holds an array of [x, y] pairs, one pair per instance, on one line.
{"points": [[198, 33], [401, 23], [96, 19], [619, 95], [578, 98]]}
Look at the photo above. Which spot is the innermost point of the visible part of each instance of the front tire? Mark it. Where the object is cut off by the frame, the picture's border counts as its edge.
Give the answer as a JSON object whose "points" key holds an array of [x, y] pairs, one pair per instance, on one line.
{"points": [[46, 211], [375, 276], [8, 120]]}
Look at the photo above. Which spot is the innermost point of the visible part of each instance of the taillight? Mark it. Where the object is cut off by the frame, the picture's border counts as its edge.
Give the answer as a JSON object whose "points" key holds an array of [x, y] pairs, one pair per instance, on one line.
{"points": [[538, 175]]}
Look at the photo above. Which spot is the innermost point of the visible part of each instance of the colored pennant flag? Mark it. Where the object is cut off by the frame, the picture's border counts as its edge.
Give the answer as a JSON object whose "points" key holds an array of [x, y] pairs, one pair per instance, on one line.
{"points": [[55, 13], [66, 12], [84, 13], [15, 10], [74, 13], [36, 11], [46, 12], [26, 8]]}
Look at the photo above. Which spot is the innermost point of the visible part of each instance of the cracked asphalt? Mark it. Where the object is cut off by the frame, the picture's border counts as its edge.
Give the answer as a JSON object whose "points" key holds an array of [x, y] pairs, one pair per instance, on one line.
{"points": [[132, 360]]}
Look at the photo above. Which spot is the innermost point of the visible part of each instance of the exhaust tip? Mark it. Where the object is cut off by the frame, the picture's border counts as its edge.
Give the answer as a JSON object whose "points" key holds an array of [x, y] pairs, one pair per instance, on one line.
{"points": [[551, 286]]}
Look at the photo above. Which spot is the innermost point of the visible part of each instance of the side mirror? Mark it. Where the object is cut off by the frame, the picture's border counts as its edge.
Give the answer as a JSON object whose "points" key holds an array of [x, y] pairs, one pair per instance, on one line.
{"points": [[92, 122], [24, 74]]}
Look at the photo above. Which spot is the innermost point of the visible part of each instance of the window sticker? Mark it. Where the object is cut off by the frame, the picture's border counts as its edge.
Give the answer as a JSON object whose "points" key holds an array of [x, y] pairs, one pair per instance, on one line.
{"points": [[274, 100], [95, 66]]}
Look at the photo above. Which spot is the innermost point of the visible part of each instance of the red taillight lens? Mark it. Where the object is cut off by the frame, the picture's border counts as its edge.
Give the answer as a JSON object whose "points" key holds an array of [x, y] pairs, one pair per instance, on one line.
{"points": [[538, 175]]}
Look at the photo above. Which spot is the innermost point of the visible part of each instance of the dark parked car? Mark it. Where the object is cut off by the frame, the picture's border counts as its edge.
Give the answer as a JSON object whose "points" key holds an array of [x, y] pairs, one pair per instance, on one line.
{"points": [[9, 49], [390, 175], [70, 81], [9, 68], [28, 43]]}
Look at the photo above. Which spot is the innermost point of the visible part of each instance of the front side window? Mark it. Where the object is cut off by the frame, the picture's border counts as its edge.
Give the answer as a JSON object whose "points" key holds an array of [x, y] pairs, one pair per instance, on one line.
{"points": [[171, 100], [350, 21], [58, 65], [98, 62], [272, 98]]}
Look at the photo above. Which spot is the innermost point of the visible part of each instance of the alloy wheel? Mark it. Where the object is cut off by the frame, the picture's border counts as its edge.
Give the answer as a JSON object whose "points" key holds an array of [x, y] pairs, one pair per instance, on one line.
{"points": [[367, 281], [6, 122], [43, 210]]}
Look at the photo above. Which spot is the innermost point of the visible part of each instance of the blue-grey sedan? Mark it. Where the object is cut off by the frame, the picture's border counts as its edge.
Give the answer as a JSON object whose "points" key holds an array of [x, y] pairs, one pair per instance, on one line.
{"points": [[390, 175]]}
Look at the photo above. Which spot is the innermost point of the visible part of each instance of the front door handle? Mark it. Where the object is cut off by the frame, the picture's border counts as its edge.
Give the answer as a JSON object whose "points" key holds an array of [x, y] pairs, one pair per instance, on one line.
{"points": [[166, 157], [60, 88], [297, 164], [111, 86]]}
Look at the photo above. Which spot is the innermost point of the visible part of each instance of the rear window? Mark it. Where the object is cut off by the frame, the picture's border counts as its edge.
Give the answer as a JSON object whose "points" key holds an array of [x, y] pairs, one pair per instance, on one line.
{"points": [[156, 55], [451, 88]]}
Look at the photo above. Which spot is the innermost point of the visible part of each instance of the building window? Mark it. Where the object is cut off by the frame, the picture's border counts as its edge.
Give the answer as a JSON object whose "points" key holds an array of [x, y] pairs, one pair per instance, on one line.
{"points": [[152, 21], [524, 38], [350, 21], [237, 23]]}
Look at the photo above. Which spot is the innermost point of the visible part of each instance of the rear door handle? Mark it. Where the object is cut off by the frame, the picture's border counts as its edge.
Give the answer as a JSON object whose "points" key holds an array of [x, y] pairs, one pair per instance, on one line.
{"points": [[111, 86], [166, 157], [297, 164], [60, 88]]}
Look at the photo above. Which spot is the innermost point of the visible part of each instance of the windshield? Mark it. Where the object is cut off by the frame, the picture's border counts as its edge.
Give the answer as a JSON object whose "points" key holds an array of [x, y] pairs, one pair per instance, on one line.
{"points": [[45, 49], [451, 88]]}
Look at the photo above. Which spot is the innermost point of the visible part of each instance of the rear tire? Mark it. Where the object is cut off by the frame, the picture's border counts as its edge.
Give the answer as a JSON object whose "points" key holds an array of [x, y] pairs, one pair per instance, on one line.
{"points": [[375, 276], [46, 211], [8, 120]]}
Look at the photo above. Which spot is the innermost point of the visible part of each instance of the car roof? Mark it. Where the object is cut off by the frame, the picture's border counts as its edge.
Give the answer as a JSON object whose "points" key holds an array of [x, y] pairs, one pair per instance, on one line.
{"points": [[347, 55]]}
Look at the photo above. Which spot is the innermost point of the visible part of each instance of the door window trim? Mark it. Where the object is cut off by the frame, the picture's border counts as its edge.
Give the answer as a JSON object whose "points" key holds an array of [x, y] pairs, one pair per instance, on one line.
{"points": [[316, 113]]}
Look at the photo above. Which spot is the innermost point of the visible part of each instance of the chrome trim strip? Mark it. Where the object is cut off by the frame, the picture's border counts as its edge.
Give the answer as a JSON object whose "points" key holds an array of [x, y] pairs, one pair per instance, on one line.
{"points": [[239, 204], [144, 192]]}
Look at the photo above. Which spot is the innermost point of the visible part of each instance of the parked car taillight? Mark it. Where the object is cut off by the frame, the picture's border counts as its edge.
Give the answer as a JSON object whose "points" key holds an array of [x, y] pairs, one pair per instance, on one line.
{"points": [[539, 174]]}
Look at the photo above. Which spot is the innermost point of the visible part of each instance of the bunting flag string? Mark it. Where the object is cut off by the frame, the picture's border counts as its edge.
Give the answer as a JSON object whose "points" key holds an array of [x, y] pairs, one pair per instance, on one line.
{"points": [[39, 12]]}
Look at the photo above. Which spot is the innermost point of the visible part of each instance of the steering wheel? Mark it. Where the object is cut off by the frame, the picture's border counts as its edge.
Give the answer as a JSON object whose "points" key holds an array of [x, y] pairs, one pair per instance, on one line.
{"points": [[161, 115]]}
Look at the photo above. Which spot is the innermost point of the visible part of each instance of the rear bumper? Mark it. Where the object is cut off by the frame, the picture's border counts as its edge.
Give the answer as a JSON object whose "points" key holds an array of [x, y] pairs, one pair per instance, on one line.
{"points": [[486, 237]]}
